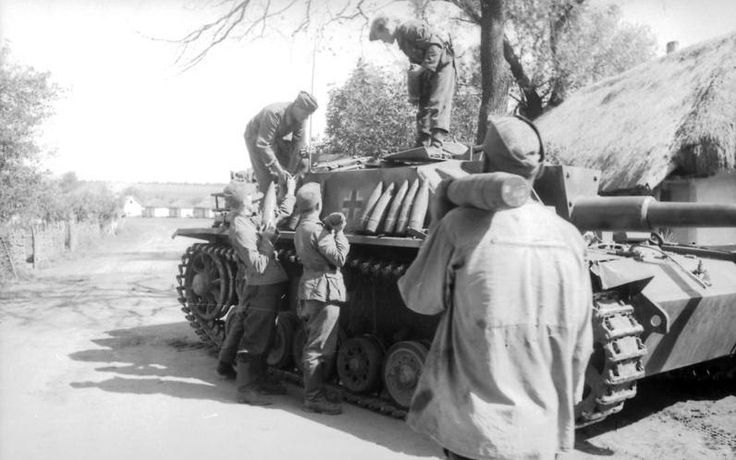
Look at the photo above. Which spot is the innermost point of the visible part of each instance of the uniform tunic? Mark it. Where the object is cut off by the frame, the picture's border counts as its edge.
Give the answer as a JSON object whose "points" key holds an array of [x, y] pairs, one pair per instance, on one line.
{"points": [[321, 290], [322, 255], [424, 47], [260, 285], [508, 359], [266, 137]]}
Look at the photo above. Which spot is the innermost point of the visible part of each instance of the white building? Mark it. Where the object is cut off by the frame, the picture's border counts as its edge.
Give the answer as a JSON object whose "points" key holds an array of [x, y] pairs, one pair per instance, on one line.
{"points": [[131, 207]]}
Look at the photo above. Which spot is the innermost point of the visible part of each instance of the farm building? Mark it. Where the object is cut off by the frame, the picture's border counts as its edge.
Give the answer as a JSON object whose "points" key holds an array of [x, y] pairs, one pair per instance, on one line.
{"points": [[665, 128], [131, 207]]}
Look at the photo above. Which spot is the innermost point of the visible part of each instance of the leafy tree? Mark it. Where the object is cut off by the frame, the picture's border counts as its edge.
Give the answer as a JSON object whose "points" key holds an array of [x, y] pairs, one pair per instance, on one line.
{"points": [[557, 46], [370, 114], [26, 98], [550, 47]]}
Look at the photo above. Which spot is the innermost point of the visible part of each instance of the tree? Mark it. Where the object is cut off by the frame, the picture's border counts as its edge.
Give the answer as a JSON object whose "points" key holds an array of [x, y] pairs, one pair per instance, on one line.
{"points": [[26, 98], [543, 42], [370, 114]]}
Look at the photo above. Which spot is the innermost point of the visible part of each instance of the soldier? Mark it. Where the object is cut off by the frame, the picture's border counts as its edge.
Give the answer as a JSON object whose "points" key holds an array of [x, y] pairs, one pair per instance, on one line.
{"points": [[253, 325], [431, 78], [508, 360], [275, 139], [322, 249]]}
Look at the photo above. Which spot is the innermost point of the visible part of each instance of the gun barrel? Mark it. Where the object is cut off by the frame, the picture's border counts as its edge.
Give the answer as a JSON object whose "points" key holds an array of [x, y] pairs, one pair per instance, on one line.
{"points": [[646, 213]]}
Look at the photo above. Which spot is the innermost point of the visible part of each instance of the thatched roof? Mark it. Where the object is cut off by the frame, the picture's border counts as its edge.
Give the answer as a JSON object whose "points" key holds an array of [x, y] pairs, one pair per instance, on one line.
{"points": [[675, 114]]}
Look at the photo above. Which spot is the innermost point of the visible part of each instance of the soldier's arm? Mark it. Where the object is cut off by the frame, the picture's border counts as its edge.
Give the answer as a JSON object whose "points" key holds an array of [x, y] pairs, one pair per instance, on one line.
{"points": [[333, 246], [246, 244], [431, 44], [286, 207], [298, 139], [266, 138], [424, 287]]}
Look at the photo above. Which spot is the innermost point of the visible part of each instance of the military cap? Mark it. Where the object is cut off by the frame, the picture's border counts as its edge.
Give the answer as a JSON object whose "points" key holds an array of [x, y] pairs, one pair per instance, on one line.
{"points": [[306, 102], [308, 197], [378, 24], [236, 194], [512, 145]]}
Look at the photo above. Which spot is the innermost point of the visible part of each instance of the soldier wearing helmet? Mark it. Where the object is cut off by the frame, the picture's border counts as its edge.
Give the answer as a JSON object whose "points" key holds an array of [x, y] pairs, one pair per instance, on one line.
{"points": [[508, 360], [431, 77], [275, 138]]}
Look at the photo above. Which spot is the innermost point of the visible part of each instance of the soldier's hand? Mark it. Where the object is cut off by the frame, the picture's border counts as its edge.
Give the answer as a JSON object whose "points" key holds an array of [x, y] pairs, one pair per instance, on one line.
{"points": [[265, 245], [440, 204], [290, 185], [335, 221]]}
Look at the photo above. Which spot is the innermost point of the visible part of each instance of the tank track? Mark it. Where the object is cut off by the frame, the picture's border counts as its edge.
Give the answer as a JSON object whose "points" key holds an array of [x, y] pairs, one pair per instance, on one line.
{"points": [[210, 331], [610, 381], [616, 363]]}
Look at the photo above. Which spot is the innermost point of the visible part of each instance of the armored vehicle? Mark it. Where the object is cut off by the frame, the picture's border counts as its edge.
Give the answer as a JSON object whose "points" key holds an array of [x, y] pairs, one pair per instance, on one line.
{"points": [[659, 306]]}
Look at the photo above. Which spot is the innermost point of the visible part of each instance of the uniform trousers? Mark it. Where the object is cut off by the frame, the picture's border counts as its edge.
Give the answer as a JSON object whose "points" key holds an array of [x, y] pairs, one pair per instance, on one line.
{"points": [[435, 99], [321, 321]]}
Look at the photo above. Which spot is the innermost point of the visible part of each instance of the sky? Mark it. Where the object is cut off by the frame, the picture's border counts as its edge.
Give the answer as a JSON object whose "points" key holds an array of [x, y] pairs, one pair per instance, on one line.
{"points": [[130, 114]]}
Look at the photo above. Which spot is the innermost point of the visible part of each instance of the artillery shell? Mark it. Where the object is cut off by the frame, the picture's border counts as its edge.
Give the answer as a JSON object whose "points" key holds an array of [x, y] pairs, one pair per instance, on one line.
{"points": [[269, 206], [403, 219], [380, 210], [419, 210], [393, 211], [370, 204], [489, 191]]}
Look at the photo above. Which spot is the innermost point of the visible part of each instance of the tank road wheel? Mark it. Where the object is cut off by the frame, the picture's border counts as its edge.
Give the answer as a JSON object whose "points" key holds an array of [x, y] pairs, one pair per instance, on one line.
{"points": [[281, 354], [401, 370], [616, 363], [208, 284], [206, 289], [359, 362]]}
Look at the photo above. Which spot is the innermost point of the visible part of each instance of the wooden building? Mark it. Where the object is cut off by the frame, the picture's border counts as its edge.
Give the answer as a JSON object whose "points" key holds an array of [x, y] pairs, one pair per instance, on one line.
{"points": [[665, 128]]}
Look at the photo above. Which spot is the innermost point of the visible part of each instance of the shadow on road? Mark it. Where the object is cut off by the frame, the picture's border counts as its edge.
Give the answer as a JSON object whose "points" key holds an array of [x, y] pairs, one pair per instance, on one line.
{"points": [[166, 359]]}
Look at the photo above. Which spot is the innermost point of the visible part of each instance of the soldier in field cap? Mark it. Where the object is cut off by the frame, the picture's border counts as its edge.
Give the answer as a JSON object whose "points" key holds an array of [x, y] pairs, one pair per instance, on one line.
{"points": [[261, 284], [275, 138], [508, 359], [322, 249], [431, 77]]}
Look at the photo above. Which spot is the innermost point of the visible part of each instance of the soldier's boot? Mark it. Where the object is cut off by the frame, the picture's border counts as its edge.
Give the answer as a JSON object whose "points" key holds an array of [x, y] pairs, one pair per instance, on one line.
{"points": [[314, 390], [422, 140], [438, 137], [322, 405], [226, 370], [268, 384], [247, 381]]}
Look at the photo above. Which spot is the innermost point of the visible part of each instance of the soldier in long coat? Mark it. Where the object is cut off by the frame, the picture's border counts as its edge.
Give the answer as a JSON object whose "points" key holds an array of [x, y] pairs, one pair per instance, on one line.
{"points": [[431, 79], [508, 360], [276, 136]]}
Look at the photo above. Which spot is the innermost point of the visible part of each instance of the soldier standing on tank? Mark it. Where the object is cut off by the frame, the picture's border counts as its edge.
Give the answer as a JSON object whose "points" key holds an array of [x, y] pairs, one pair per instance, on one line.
{"points": [[322, 249], [252, 328], [431, 78], [275, 139], [507, 363]]}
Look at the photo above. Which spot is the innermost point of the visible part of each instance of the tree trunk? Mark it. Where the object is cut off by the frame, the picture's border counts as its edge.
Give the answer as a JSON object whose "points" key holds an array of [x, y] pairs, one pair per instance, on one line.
{"points": [[493, 96]]}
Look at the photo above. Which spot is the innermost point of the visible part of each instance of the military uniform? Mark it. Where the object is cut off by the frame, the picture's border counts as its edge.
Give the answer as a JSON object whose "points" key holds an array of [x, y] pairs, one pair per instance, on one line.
{"points": [[273, 136], [321, 291], [508, 359], [436, 83], [264, 281]]}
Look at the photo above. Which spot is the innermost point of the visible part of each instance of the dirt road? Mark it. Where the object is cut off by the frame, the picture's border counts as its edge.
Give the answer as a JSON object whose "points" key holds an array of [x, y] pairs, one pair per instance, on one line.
{"points": [[96, 362]]}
